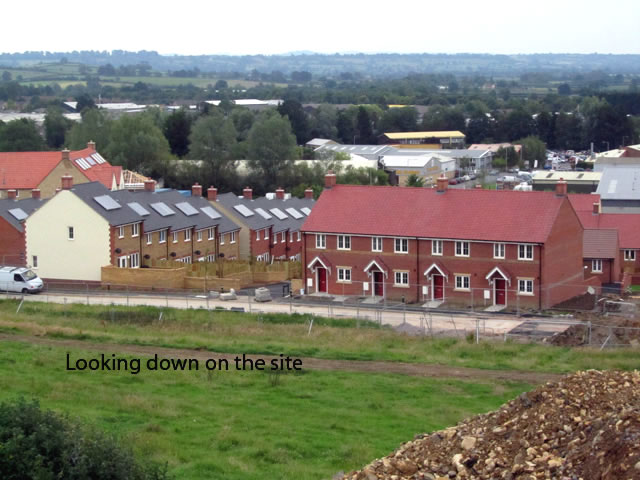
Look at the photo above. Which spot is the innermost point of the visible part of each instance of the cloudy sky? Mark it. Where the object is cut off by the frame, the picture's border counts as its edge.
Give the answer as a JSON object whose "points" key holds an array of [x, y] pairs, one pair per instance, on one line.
{"points": [[328, 26]]}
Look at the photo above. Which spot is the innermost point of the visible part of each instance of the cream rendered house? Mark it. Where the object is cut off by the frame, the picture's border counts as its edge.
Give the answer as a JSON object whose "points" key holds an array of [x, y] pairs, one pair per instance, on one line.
{"points": [[75, 242]]}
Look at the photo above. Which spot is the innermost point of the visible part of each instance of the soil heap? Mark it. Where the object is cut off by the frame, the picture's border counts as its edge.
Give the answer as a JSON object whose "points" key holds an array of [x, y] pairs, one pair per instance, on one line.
{"points": [[586, 426]]}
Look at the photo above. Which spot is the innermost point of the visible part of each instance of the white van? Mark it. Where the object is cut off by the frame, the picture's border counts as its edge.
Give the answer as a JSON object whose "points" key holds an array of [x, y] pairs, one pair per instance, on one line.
{"points": [[19, 279]]}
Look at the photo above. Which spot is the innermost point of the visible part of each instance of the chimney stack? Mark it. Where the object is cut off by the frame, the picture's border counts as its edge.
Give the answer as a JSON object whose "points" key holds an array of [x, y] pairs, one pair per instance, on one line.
{"points": [[308, 193], [247, 193], [596, 208], [561, 188], [442, 183], [91, 145], [58, 189], [150, 186], [280, 193], [65, 155], [212, 194], [196, 190], [12, 194], [330, 179], [35, 193], [67, 182]]}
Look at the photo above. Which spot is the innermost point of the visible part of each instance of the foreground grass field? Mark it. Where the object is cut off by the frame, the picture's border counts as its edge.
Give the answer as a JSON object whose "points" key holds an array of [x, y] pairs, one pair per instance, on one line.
{"points": [[343, 339], [248, 425]]}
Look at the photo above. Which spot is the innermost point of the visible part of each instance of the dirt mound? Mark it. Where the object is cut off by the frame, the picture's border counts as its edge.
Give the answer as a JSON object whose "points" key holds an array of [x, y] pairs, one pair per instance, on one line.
{"points": [[586, 426]]}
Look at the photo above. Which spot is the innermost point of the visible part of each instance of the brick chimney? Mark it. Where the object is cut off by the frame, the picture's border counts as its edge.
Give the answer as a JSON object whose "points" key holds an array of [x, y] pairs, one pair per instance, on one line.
{"points": [[35, 193], [212, 194], [596, 208], [280, 193], [67, 182], [308, 193], [247, 193], [58, 189], [561, 188], [442, 183], [149, 185], [65, 155], [330, 179], [196, 190], [12, 194], [91, 145]]}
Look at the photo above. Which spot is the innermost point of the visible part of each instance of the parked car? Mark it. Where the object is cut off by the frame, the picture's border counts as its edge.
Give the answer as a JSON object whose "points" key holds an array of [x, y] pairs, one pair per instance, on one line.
{"points": [[19, 279], [493, 172], [453, 181], [466, 178]]}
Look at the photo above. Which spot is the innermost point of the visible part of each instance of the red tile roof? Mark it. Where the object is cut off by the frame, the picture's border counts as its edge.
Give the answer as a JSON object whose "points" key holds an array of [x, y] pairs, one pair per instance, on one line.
{"points": [[627, 225], [600, 244], [583, 201], [476, 214], [26, 170]]}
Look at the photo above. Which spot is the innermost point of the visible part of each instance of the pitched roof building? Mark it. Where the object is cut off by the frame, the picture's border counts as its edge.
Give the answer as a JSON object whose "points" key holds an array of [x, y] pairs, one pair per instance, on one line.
{"points": [[13, 213]]}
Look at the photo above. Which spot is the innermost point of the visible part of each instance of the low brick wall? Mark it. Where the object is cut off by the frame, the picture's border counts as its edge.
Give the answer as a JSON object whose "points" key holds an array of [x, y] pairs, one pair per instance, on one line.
{"points": [[269, 277], [144, 277], [212, 283], [296, 285]]}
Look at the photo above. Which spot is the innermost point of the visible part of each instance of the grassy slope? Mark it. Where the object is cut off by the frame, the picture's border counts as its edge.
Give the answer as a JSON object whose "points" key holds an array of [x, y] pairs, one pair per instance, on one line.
{"points": [[238, 425]]}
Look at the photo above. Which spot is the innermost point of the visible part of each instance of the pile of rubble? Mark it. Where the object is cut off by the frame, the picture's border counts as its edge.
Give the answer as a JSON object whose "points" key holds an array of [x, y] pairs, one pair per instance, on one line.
{"points": [[586, 426]]}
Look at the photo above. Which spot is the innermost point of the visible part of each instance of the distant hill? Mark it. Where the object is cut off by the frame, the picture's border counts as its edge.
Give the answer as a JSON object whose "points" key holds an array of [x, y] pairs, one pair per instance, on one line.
{"points": [[380, 64]]}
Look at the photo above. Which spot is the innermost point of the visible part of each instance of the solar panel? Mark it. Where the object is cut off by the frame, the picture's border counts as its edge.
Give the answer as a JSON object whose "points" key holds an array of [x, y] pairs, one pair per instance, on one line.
{"points": [[263, 213], [550, 175], [211, 212], [294, 213], [162, 209], [18, 213], [98, 158], [243, 210], [107, 202], [81, 164], [279, 213], [90, 161], [86, 165], [186, 208], [306, 210], [139, 209]]}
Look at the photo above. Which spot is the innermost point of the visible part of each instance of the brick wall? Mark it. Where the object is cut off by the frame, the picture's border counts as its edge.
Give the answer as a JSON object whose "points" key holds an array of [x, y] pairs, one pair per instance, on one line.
{"points": [[144, 277], [261, 245], [230, 250], [12, 244], [181, 248], [128, 244], [155, 250]]}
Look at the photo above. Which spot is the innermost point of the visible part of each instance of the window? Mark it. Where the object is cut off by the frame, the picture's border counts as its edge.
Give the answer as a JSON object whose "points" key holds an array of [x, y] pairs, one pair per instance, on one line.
{"points": [[463, 282], [187, 235], [525, 286], [162, 236], [211, 258], [135, 229], [498, 250], [266, 234], [232, 237], [149, 238], [596, 266], [210, 233], [629, 255], [199, 236], [299, 236], [122, 261], [321, 240], [257, 235], [34, 261], [401, 279], [344, 242], [283, 237], [344, 275], [222, 239], [462, 249], [120, 232], [175, 237], [71, 233], [525, 252], [401, 245], [290, 237], [134, 260], [376, 244], [436, 247]]}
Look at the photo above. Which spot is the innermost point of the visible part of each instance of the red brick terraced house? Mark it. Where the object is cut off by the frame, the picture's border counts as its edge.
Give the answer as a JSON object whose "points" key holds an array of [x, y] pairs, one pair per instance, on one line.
{"points": [[13, 213], [472, 247]]}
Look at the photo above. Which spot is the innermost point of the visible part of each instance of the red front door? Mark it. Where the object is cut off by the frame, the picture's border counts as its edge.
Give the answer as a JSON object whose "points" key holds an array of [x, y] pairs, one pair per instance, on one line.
{"points": [[322, 279], [501, 291], [438, 287], [378, 285]]}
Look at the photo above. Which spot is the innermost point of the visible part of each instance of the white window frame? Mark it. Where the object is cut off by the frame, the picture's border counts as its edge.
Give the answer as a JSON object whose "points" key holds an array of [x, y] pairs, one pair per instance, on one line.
{"points": [[499, 250], [344, 242], [299, 236], [401, 245], [629, 255], [187, 235], [71, 233], [344, 275], [460, 248], [149, 238], [175, 237], [134, 260], [123, 261], [401, 278], [525, 252], [135, 229], [162, 236], [437, 246], [258, 235], [376, 244], [232, 237], [290, 237], [525, 286], [266, 234], [199, 236], [462, 282], [596, 265], [120, 232], [210, 233], [321, 241], [221, 237], [283, 237]]}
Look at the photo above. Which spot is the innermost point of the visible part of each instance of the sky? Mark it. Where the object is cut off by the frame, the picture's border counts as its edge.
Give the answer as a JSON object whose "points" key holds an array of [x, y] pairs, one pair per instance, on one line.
{"points": [[250, 27]]}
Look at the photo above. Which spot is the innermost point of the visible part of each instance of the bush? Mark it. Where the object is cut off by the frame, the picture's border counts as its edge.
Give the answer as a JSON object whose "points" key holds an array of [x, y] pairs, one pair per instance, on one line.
{"points": [[38, 444]]}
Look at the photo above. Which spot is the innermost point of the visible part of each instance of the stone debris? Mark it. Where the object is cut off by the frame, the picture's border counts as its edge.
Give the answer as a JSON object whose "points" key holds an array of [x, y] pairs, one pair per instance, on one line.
{"points": [[263, 295], [584, 427], [231, 295]]}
